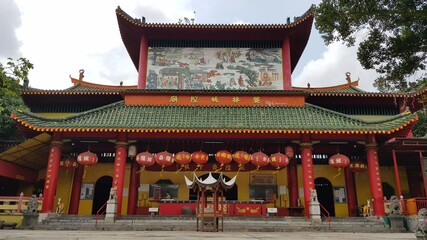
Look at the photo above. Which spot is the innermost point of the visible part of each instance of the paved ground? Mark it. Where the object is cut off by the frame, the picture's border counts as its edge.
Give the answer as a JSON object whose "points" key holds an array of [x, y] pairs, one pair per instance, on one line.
{"points": [[181, 235]]}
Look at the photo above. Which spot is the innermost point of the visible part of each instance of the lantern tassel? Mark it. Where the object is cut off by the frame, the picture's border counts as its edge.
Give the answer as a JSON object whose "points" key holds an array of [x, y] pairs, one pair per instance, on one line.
{"points": [[220, 167], [277, 170], [141, 170], [177, 171], [161, 172], [339, 172], [256, 169], [84, 172]]}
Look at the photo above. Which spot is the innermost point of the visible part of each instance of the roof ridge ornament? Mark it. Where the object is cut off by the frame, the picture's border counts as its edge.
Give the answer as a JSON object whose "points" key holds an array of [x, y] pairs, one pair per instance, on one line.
{"points": [[81, 74]]}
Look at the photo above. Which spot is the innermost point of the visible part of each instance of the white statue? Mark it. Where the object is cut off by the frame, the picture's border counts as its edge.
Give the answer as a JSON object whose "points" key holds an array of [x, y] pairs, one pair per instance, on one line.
{"points": [[313, 195]]}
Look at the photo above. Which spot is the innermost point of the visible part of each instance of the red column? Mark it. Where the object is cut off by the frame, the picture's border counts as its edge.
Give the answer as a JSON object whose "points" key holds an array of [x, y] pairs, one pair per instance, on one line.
{"points": [[351, 192], [307, 173], [396, 174], [119, 171], [75, 192], [143, 62], [52, 173], [133, 188], [293, 182], [286, 64], [375, 176]]}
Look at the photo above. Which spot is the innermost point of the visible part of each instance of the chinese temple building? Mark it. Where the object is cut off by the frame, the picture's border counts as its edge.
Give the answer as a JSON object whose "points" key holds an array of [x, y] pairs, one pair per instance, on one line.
{"points": [[216, 98]]}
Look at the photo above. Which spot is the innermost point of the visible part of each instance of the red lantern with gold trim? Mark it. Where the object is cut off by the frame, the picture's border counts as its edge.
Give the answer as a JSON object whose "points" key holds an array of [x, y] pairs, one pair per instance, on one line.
{"points": [[182, 158], [68, 163], [279, 160], [241, 158], [339, 161], [200, 158], [223, 157], [358, 166], [289, 151], [145, 159], [87, 158], [260, 159], [165, 159]]}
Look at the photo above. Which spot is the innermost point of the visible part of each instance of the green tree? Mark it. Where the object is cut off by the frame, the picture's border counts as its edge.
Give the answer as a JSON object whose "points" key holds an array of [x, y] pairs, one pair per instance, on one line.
{"points": [[393, 32], [11, 75]]}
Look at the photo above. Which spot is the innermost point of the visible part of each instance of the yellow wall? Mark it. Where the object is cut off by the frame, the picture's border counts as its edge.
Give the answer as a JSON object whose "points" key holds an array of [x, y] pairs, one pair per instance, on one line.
{"points": [[93, 173]]}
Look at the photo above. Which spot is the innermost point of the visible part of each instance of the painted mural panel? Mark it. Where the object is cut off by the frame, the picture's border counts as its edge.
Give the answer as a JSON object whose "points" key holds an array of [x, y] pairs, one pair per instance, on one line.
{"points": [[215, 68]]}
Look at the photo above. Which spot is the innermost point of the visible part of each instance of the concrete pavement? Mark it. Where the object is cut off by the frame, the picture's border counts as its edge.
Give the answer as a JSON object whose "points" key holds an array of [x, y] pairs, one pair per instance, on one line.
{"points": [[185, 235]]}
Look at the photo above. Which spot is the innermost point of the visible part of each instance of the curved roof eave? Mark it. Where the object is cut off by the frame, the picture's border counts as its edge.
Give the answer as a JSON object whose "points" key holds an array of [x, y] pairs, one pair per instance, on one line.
{"points": [[132, 29]]}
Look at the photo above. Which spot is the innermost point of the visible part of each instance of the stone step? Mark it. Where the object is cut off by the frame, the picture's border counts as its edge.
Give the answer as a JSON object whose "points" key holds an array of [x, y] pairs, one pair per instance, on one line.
{"points": [[188, 223]]}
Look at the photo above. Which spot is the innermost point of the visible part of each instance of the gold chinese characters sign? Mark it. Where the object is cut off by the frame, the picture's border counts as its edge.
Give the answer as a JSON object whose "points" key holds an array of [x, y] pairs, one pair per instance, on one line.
{"points": [[262, 179]]}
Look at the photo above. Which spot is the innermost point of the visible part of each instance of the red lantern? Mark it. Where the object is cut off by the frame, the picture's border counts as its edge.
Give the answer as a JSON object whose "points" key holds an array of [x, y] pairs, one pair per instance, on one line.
{"points": [[223, 157], [260, 159], [183, 158], [199, 158], [164, 159], [145, 159], [87, 158], [358, 166], [279, 160], [339, 161], [241, 157], [289, 151], [68, 163]]}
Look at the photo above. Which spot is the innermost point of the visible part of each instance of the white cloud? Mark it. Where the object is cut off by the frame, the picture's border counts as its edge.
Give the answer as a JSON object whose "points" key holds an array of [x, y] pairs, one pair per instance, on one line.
{"points": [[330, 69], [61, 37]]}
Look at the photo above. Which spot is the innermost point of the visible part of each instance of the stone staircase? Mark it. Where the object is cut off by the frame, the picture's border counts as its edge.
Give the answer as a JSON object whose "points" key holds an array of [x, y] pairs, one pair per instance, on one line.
{"points": [[231, 224]]}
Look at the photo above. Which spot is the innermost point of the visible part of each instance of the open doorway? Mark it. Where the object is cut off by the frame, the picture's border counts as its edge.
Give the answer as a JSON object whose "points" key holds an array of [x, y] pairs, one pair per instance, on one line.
{"points": [[101, 192], [325, 195], [230, 194]]}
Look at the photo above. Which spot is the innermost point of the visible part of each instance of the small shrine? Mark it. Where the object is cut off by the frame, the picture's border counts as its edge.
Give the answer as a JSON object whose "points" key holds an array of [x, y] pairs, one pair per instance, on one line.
{"points": [[210, 200]]}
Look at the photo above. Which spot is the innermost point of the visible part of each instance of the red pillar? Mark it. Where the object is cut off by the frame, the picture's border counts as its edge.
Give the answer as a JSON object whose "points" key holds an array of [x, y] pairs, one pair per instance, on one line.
{"points": [[307, 173], [286, 64], [52, 173], [375, 176], [351, 192], [133, 188], [396, 174], [293, 182], [75, 192], [119, 171], [143, 62]]}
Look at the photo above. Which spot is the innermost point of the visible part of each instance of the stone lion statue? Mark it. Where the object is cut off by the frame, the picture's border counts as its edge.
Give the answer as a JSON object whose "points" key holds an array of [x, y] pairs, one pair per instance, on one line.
{"points": [[420, 229], [33, 204], [395, 208], [113, 194], [313, 195]]}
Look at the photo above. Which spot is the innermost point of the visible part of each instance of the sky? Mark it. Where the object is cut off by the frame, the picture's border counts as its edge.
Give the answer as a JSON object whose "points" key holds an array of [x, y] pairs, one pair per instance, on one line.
{"points": [[62, 37]]}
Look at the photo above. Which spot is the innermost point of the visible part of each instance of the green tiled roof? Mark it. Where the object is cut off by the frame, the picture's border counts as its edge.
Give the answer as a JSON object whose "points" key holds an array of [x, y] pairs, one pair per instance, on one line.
{"points": [[118, 115], [75, 89]]}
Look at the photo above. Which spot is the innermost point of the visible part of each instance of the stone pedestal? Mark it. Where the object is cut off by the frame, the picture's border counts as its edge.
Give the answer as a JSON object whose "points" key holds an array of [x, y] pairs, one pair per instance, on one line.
{"points": [[315, 212], [111, 211], [29, 220], [396, 223]]}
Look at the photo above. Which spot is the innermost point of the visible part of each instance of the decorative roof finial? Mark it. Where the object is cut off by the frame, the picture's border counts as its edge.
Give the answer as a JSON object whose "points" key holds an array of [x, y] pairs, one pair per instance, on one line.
{"points": [[121, 83], [308, 85], [347, 77], [81, 74]]}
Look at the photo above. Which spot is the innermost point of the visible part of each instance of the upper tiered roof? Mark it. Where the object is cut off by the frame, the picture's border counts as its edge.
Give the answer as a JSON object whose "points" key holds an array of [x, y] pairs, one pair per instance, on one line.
{"points": [[131, 30]]}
